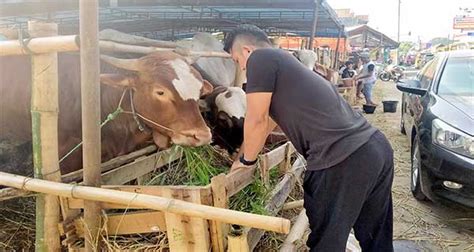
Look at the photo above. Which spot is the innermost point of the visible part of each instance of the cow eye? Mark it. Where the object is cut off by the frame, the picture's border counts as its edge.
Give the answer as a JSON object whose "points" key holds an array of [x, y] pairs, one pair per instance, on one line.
{"points": [[160, 92]]}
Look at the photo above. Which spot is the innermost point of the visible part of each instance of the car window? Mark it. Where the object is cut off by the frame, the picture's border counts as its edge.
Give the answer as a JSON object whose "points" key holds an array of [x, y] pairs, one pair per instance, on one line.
{"points": [[457, 77], [420, 73], [428, 75]]}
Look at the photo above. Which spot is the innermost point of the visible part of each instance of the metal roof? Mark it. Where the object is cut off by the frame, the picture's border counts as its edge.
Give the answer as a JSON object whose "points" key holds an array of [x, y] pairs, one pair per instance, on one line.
{"points": [[365, 36], [166, 21]]}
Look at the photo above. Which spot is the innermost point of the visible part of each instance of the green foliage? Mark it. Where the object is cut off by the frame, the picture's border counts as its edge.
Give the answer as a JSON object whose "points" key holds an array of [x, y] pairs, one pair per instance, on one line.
{"points": [[405, 47], [199, 164], [441, 40]]}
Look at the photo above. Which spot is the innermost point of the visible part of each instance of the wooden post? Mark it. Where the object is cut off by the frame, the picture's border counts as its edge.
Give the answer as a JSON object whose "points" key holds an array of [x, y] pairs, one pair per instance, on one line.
{"points": [[315, 23], [335, 65], [264, 170], [186, 233], [219, 198], [284, 166], [44, 115], [90, 100], [238, 240]]}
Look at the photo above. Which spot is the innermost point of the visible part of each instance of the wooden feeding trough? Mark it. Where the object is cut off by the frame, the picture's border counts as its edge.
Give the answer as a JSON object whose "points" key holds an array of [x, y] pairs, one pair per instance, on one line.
{"points": [[184, 233], [349, 90]]}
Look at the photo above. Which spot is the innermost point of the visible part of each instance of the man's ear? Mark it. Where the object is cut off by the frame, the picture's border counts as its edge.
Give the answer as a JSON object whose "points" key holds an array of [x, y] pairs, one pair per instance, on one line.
{"points": [[118, 80], [206, 88], [246, 48]]}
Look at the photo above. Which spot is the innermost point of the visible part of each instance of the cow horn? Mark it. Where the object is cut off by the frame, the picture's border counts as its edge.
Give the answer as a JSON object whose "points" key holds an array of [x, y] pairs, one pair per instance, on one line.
{"points": [[128, 64]]}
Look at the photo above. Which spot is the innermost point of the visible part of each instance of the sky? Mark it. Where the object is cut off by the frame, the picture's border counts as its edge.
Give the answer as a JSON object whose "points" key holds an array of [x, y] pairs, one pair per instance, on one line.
{"points": [[424, 18]]}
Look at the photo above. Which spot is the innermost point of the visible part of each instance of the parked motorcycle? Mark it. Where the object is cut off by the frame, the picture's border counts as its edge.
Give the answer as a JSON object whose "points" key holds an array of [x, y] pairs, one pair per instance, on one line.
{"points": [[391, 72]]}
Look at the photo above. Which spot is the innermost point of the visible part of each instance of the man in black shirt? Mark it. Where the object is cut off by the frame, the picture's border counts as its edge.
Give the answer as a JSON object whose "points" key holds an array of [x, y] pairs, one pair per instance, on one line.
{"points": [[349, 163], [347, 71]]}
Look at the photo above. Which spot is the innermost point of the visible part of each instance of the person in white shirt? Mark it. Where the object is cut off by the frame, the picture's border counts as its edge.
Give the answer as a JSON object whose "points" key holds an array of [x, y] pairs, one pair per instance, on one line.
{"points": [[368, 78]]}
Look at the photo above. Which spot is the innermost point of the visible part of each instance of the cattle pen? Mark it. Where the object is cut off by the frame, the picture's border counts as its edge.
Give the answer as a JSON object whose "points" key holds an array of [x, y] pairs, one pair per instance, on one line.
{"points": [[195, 218]]}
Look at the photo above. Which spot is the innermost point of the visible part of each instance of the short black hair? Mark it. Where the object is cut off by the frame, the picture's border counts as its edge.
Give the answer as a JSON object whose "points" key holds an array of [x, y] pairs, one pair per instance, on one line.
{"points": [[349, 63], [257, 35]]}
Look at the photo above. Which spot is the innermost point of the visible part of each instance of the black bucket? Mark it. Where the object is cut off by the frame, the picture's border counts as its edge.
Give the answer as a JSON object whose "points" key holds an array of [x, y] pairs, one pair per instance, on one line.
{"points": [[369, 109], [390, 106]]}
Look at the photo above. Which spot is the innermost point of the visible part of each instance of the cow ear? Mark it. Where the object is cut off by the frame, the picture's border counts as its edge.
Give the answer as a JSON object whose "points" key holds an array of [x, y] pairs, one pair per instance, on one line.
{"points": [[206, 88], [224, 120], [118, 80], [204, 106]]}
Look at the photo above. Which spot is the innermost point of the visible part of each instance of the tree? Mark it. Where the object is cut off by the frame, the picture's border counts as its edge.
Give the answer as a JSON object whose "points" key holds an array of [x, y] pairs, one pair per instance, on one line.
{"points": [[437, 41], [404, 47]]}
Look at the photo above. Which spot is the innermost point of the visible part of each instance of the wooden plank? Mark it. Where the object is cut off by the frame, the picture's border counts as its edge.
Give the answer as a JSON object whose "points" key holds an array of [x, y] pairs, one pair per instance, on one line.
{"points": [[140, 222], [275, 156], [284, 166], [151, 190], [238, 241], [186, 233], [238, 179], [140, 167], [277, 198], [218, 229], [200, 239], [111, 164], [292, 205], [176, 225], [264, 170]]}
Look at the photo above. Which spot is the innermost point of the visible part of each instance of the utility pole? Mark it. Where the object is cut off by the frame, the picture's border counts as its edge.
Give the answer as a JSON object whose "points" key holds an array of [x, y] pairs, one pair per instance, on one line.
{"points": [[398, 33], [315, 22]]}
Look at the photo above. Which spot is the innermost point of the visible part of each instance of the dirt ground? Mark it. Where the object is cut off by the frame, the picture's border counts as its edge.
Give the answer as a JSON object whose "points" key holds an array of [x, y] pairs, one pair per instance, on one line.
{"points": [[433, 227]]}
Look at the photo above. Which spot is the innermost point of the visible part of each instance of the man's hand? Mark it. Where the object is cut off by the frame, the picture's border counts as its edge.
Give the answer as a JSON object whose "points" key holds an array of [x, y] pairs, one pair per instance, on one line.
{"points": [[237, 165]]}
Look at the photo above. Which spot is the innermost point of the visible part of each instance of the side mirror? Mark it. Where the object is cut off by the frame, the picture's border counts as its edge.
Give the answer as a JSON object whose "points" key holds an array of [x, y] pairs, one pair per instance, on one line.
{"points": [[411, 86]]}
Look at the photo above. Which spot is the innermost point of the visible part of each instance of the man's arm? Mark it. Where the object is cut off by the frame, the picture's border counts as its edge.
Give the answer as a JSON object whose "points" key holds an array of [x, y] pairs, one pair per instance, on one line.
{"points": [[257, 124], [371, 69], [271, 126]]}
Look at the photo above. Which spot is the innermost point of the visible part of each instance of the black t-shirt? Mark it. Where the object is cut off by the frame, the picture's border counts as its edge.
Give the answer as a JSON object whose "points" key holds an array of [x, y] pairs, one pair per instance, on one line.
{"points": [[309, 110], [347, 73]]}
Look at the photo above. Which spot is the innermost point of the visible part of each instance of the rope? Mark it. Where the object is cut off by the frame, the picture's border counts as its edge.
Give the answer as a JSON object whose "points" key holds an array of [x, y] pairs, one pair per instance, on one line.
{"points": [[24, 42], [140, 126], [111, 116]]}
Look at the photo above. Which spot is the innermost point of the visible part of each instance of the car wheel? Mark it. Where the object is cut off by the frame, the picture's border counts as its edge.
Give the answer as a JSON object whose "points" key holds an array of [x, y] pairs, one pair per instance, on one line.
{"points": [[416, 171]]}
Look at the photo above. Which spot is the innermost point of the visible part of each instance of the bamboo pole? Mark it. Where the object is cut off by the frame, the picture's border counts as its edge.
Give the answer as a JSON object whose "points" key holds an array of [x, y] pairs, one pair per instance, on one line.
{"points": [[44, 116], [40, 45], [277, 198], [293, 204], [138, 200], [296, 232], [71, 43], [90, 102]]}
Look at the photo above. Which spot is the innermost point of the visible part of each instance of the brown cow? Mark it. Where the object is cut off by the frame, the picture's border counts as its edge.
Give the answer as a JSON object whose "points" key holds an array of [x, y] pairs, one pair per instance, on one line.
{"points": [[165, 97]]}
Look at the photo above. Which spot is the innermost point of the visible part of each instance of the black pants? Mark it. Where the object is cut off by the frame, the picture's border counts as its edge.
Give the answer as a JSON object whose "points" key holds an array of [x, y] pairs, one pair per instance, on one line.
{"points": [[355, 193]]}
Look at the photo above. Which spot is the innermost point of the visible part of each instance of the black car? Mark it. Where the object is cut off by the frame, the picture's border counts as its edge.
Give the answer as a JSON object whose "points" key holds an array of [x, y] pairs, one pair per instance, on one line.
{"points": [[438, 117]]}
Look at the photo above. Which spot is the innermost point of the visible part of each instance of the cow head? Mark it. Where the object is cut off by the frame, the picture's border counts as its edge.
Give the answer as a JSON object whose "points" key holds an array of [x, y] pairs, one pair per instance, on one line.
{"points": [[306, 57], [225, 109], [166, 92]]}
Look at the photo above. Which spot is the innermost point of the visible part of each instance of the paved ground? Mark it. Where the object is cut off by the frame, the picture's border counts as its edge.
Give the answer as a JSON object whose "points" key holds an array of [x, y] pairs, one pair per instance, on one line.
{"points": [[432, 227]]}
